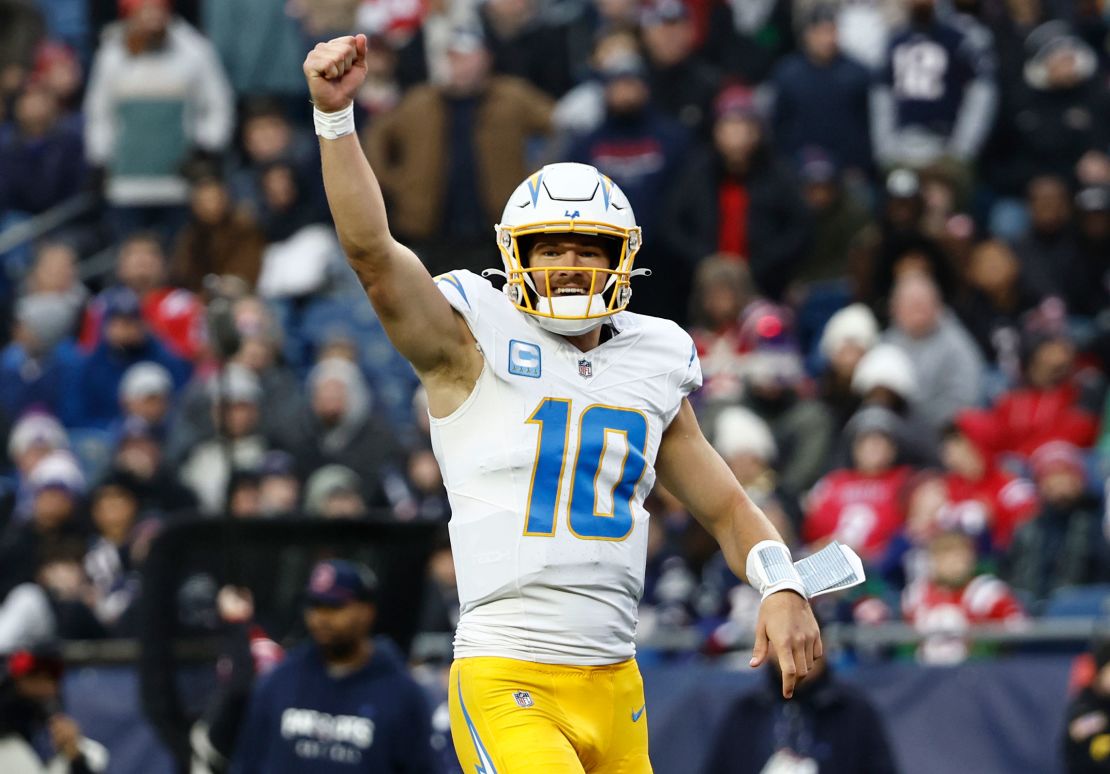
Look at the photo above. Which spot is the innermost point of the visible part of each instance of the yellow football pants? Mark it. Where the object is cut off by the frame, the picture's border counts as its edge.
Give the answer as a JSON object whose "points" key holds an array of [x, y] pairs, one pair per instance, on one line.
{"points": [[510, 716]]}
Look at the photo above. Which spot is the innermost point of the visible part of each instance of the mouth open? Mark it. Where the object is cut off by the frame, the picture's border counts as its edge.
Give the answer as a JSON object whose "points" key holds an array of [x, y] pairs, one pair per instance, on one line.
{"points": [[570, 291]]}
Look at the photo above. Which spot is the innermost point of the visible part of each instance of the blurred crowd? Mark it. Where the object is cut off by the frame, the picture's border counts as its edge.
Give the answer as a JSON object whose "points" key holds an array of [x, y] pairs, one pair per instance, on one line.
{"points": [[886, 224]]}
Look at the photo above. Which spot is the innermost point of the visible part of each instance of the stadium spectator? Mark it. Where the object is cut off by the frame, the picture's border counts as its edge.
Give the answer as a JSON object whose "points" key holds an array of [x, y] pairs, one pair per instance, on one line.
{"points": [[335, 492], [36, 736], [992, 305], [1048, 250], [821, 97], [138, 454], [248, 653], [91, 397], [582, 109], [218, 239], [737, 198], [936, 98], [858, 506], [42, 161], [111, 562], [982, 497], [22, 29], [146, 392], [827, 726], [775, 389], [722, 291], [1052, 402], [32, 437], [439, 611], [1064, 545], [885, 377], [260, 344], [640, 148], [302, 254], [904, 244], [953, 596], [243, 495], [173, 315], [747, 38], [682, 84], [1087, 284], [845, 234], [279, 488], [1088, 715], [449, 155], [267, 136], [257, 64], [341, 428], [847, 337], [156, 93], [746, 444], [1058, 113], [525, 44], [57, 487], [341, 702], [235, 400], [948, 369], [35, 364]]}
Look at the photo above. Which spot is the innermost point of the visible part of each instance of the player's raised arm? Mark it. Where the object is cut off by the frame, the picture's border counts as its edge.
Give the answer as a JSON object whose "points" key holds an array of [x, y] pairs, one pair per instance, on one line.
{"points": [[693, 471], [418, 319]]}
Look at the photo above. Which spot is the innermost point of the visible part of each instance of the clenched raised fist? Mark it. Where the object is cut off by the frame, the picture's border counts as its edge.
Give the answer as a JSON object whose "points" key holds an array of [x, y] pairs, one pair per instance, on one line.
{"points": [[335, 70]]}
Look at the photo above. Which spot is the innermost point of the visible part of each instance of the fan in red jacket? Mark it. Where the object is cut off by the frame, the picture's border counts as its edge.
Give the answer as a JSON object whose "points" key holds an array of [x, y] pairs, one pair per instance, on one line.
{"points": [[175, 316], [1048, 406], [951, 598], [982, 496], [860, 506]]}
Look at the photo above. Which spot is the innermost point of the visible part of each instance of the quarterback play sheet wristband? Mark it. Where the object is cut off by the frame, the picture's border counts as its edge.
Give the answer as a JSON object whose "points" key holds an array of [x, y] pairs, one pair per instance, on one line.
{"points": [[770, 569], [332, 126]]}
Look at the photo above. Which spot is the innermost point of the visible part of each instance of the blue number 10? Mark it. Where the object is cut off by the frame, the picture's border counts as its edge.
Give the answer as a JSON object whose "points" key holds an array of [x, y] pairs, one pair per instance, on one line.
{"points": [[596, 427]]}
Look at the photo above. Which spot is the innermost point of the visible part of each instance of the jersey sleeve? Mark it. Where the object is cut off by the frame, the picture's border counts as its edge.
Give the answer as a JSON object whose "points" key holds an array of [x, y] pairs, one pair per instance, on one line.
{"points": [[474, 298], [692, 380]]}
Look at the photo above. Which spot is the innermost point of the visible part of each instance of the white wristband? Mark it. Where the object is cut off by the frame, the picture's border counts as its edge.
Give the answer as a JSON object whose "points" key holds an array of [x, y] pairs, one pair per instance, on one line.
{"points": [[770, 569], [332, 126]]}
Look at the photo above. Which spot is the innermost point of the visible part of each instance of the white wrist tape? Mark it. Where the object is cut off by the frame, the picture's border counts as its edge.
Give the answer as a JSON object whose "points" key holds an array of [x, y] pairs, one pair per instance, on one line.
{"points": [[770, 568], [331, 126]]}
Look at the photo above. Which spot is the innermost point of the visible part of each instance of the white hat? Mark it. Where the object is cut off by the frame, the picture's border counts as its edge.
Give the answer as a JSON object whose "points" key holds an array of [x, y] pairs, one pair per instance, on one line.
{"points": [[886, 366], [145, 379], [58, 469], [740, 431], [853, 323], [237, 384], [36, 429]]}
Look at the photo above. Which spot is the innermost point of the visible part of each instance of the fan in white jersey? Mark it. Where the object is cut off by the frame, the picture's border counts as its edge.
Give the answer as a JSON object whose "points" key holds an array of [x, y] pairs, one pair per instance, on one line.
{"points": [[554, 409]]}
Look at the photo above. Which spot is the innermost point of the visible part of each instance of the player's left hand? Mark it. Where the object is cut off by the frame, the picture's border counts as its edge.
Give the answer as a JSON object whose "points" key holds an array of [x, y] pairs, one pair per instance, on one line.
{"points": [[786, 623]]}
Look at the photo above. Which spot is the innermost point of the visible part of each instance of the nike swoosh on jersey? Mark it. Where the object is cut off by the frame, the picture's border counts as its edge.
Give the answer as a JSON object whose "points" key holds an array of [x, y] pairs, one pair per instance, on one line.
{"points": [[636, 715]]}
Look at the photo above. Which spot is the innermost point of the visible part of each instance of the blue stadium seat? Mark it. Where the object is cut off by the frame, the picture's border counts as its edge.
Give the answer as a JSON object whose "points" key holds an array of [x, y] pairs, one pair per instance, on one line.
{"points": [[1078, 601]]}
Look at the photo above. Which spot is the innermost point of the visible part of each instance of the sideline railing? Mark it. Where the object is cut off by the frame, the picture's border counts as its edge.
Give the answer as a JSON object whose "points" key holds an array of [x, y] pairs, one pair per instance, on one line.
{"points": [[45, 222], [437, 646]]}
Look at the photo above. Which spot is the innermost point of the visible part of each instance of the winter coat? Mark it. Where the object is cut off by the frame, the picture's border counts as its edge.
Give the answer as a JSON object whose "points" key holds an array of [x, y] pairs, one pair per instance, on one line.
{"points": [[828, 722], [408, 150], [779, 225]]}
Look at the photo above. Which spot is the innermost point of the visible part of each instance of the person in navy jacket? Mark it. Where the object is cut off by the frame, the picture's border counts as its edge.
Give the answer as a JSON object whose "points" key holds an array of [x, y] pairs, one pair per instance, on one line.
{"points": [[343, 702]]}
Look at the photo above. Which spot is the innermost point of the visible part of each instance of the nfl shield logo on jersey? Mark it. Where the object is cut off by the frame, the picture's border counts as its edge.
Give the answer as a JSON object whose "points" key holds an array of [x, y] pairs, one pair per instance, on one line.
{"points": [[585, 368], [523, 698]]}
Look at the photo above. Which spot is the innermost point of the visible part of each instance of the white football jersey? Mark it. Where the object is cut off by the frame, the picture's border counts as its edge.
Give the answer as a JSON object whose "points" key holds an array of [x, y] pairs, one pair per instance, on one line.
{"points": [[547, 464]]}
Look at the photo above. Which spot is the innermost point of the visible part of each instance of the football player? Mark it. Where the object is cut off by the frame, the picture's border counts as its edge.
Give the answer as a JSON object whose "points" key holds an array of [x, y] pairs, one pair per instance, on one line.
{"points": [[553, 411]]}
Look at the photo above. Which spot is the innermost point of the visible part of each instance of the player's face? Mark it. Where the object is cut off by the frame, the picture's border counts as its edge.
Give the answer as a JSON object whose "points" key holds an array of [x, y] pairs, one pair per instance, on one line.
{"points": [[568, 252]]}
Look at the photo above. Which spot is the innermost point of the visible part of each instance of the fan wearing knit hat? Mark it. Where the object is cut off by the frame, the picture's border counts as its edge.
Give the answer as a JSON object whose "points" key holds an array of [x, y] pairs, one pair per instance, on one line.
{"points": [[983, 494], [1064, 544], [859, 505]]}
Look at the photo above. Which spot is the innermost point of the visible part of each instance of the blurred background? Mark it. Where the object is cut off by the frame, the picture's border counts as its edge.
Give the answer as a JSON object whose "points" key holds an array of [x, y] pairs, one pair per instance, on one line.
{"points": [[886, 223]]}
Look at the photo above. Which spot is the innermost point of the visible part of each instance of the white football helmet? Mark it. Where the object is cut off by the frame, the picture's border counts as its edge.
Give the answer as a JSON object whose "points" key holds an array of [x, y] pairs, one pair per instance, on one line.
{"points": [[560, 199]]}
